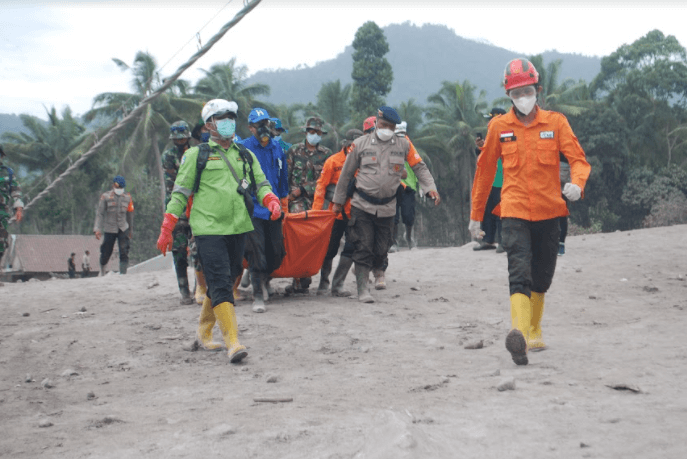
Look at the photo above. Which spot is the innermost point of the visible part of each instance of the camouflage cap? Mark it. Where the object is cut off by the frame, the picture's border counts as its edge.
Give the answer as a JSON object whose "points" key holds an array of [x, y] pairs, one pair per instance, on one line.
{"points": [[314, 123], [179, 130], [351, 135]]}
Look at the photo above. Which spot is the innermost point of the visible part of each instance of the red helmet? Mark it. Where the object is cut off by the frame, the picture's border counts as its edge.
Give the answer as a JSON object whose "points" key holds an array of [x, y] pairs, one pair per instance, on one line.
{"points": [[369, 123], [520, 72]]}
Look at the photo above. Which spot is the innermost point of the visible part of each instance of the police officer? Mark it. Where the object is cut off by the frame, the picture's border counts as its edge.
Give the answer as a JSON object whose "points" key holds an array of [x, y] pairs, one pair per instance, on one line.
{"points": [[379, 159], [265, 244], [115, 218], [180, 134], [528, 140], [305, 162], [11, 205], [220, 217]]}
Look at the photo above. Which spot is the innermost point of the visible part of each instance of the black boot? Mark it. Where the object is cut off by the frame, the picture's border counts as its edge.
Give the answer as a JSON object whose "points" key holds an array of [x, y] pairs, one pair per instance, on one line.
{"points": [[324, 277], [123, 265]]}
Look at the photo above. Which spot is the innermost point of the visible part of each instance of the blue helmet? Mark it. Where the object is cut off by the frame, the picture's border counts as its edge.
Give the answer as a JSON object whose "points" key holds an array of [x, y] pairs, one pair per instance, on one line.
{"points": [[119, 180], [258, 114]]}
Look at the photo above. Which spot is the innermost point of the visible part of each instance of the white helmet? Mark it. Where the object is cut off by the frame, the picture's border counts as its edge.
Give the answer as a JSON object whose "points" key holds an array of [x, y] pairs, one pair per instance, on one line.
{"points": [[218, 107], [401, 127]]}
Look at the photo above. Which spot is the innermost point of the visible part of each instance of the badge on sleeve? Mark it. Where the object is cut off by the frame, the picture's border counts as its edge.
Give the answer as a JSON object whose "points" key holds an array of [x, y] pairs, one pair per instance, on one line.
{"points": [[183, 160], [546, 134], [507, 136]]}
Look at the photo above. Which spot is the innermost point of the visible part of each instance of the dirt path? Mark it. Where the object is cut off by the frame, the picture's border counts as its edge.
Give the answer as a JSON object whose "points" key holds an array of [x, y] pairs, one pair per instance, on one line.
{"points": [[387, 380]]}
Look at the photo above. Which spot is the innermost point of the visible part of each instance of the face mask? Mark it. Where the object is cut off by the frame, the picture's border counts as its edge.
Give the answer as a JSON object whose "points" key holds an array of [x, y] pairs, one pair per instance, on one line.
{"points": [[205, 137], [525, 104], [119, 191], [263, 134], [384, 134], [277, 138], [313, 139], [226, 128]]}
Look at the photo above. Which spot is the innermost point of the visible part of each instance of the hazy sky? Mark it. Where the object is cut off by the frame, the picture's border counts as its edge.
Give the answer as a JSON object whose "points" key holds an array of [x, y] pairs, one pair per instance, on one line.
{"points": [[60, 53]]}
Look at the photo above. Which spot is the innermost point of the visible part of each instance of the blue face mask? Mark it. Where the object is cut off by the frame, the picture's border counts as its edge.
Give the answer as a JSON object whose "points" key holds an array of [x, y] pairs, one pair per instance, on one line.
{"points": [[277, 138], [205, 137], [226, 128]]}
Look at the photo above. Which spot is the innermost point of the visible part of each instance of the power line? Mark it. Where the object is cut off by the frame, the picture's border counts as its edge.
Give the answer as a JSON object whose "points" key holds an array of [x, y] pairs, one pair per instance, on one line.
{"points": [[249, 6]]}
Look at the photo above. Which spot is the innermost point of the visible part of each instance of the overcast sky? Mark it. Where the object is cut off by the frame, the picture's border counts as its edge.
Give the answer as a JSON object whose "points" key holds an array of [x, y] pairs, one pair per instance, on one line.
{"points": [[60, 53]]}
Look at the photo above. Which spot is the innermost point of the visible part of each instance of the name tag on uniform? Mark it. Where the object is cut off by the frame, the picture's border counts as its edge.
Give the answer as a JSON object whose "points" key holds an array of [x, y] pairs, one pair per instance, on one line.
{"points": [[546, 134], [507, 136]]}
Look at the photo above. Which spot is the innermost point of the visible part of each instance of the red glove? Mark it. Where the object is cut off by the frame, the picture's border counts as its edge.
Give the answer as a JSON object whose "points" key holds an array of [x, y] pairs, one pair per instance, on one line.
{"points": [[164, 242], [271, 202]]}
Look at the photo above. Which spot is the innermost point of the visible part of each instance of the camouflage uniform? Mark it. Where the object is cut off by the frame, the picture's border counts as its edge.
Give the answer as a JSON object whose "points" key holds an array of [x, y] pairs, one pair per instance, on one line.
{"points": [[182, 236], [10, 197], [305, 167]]}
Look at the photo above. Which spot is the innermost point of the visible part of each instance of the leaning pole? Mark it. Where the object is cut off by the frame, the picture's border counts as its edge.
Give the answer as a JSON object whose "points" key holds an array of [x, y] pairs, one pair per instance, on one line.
{"points": [[168, 82]]}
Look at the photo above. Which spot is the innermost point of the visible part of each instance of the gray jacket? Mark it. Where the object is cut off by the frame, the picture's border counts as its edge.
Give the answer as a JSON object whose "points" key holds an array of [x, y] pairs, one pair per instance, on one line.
{"points": [[380, 165], [114, 213]]}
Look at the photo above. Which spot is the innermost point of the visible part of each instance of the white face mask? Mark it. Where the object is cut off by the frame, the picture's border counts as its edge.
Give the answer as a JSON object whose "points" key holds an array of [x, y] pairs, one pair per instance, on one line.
{"points": [[525, 103], [384, 134], [119, 191], [313, 139]]}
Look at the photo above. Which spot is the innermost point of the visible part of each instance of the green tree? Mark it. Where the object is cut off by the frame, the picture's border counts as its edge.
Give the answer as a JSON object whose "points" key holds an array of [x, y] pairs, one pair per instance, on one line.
{"points": [[372, 74], [332, 106], [411, 113], [228, 81], [453, 116], [569, 97], [147, 137]]}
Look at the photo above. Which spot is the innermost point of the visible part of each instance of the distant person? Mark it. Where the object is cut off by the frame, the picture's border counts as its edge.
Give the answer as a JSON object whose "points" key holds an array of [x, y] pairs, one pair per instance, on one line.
{"points": [[305, 162], [86, 264], [369, 124], [115, 218], [405, 203], [11, 205], [491, 224], [277, 133], [71, 266], [528, 139]]}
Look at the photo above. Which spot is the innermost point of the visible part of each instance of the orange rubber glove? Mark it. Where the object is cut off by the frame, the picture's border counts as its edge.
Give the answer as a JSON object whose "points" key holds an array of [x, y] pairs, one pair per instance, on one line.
{"points": [[164, 242], [271, 202]]}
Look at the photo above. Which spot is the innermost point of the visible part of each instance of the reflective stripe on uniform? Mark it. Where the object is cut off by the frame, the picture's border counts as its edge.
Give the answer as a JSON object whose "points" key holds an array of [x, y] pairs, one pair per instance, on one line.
{"points": [[180, 189]]}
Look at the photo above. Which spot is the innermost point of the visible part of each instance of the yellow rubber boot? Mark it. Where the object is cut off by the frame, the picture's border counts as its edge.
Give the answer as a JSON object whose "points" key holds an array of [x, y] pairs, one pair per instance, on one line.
{"points": [[201, 287], [521, 315], [534, 341], [224, 312], [205, 324]]}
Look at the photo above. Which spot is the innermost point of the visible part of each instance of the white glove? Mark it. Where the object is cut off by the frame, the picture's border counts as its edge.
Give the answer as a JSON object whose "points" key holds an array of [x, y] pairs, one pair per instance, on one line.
{"points": [[475, 230], [572, 192]]}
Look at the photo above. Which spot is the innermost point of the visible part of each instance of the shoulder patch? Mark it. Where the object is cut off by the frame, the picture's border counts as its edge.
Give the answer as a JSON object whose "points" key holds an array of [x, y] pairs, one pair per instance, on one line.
{"points": [[183, 160]]}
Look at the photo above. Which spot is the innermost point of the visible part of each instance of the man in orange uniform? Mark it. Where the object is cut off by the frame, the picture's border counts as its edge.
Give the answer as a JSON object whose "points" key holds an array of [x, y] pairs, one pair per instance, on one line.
{"points": [[528, 141], [324, 193]]}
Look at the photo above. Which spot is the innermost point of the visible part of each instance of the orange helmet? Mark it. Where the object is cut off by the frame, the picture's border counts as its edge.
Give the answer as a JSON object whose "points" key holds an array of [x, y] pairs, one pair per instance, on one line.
{"points": [[520, 72], [369, 123]]}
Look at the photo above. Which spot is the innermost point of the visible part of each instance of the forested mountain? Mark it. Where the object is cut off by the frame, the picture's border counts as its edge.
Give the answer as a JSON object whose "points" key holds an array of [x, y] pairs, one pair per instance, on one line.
{"points": [[421, 58], [11, 123]]}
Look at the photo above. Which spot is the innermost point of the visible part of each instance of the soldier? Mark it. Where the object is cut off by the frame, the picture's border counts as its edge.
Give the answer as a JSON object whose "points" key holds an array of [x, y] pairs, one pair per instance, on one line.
{"points": [[11, 205], [305, 162], [180, 134], [115, 218], [323, 200], [218, 175], [529, 141], [265, 244], [378, 158]]}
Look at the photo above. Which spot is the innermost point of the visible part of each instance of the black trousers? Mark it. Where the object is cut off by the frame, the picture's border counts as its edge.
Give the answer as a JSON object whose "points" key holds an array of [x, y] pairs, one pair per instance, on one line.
{"points": [[339, 230], [222, 259], [532, 249], [371, 237], [265, 246], [491, 224], [405, 208], [109, 239]]}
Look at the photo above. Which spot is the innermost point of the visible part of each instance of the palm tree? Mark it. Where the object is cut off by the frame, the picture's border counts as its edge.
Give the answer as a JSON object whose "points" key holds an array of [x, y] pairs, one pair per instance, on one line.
{"points": [[411, 113], [143, 141], [332, 106], [448, 138], [228, 81]]}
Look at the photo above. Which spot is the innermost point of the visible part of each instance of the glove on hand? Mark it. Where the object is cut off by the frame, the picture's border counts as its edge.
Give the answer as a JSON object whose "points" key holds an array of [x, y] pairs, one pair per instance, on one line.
{"points": [[475, 230], [164, 242], [271, 202], [572, 192]]}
